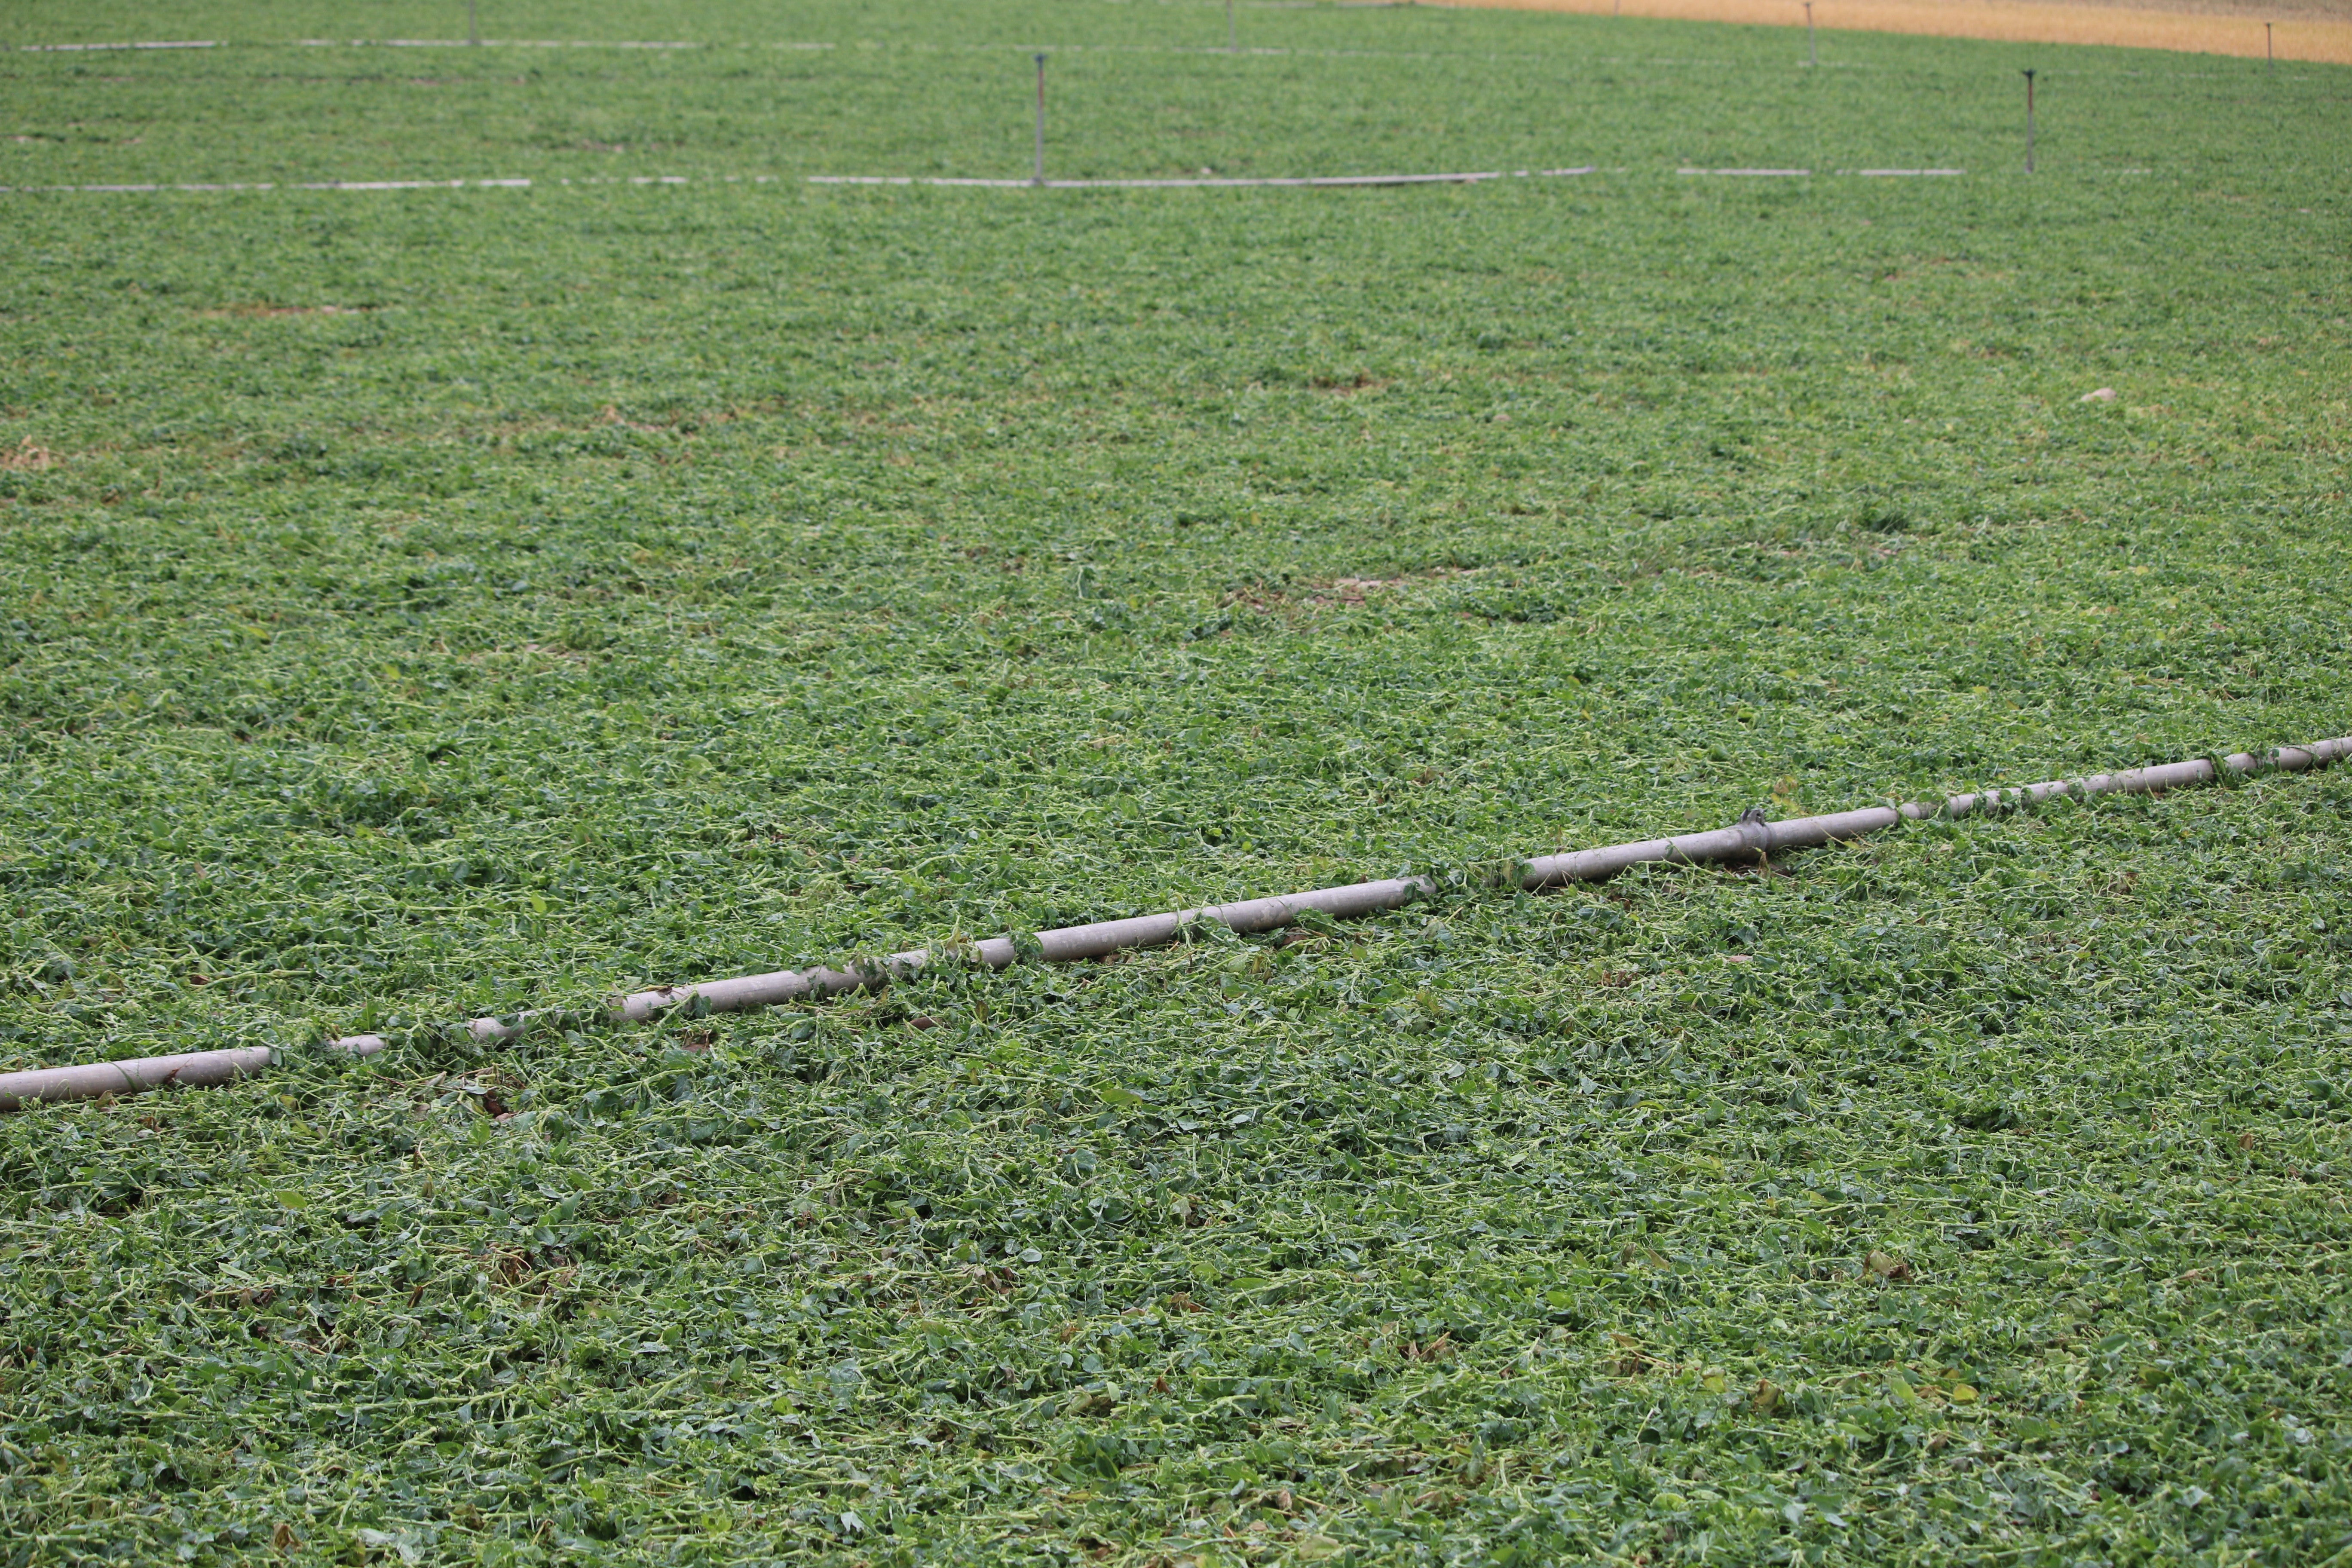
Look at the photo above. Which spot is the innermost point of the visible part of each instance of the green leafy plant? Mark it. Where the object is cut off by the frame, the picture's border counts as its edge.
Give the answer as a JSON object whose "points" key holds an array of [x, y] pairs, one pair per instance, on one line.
{"points": [[419, 605]]}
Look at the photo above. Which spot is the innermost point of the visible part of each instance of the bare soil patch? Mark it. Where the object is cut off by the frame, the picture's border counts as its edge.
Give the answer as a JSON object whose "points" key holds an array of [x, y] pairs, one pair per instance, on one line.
{"points": [[2318, 30]]}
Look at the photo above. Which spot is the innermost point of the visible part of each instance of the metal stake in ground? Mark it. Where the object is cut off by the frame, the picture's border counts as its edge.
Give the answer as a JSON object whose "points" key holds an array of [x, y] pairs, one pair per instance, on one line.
{"points": [[473, 33], [1813, 55], [1038, 178], [1233, 39], [2028, 122], [2270, 55]]}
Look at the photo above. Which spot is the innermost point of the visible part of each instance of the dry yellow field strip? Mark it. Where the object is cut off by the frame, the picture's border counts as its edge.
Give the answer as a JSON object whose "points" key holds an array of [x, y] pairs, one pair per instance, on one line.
{"points": [[2298, 32]]}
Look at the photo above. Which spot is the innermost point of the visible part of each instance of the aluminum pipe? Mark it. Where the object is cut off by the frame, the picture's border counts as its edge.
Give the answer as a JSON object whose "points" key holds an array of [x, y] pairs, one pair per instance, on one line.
{"points": [[1751, 839], [192, 1069]]}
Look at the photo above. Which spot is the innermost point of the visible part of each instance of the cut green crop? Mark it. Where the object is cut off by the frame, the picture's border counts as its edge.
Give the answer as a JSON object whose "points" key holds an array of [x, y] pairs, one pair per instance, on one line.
{"points": [[422, 604]]}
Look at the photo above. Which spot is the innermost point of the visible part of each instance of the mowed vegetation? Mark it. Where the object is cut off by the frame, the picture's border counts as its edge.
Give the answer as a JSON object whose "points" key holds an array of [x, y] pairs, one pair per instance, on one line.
{"points": [[415, 605]]}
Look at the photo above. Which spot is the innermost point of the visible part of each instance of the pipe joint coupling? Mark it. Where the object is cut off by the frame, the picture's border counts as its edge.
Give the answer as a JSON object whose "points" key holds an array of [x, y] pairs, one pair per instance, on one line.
{"points": [[1755, 831]]}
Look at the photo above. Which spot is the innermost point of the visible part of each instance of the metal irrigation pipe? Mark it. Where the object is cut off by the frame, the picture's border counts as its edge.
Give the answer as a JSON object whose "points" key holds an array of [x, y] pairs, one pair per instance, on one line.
{"points": [[1751, 839]]}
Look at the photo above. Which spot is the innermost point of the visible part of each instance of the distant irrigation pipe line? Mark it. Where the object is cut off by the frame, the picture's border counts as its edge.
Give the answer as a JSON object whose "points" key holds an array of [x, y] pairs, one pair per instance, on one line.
{"points": [[1183, 183], [1037, 182], [1750, 840], [1209, 182]]}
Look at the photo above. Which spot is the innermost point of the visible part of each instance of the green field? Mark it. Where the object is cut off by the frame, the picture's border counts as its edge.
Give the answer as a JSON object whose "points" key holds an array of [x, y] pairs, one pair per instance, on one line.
{"points": [[421, 603]]}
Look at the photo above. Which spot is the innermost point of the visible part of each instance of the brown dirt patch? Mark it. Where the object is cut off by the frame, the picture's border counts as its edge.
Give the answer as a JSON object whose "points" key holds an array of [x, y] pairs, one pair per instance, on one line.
{"points": [[29, 456], [2318, 30]]}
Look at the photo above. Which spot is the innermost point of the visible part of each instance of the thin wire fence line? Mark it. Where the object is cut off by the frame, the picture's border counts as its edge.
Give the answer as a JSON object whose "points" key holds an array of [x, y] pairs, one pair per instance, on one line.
{"points": [[1195, 183]]}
